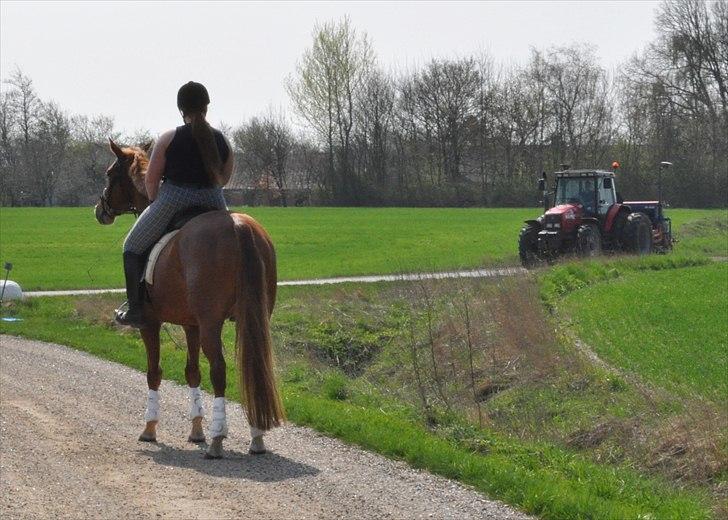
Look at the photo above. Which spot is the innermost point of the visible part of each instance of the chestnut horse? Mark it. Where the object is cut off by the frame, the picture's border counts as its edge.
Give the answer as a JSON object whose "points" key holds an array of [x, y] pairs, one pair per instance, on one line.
{"points": [[220, 265]]}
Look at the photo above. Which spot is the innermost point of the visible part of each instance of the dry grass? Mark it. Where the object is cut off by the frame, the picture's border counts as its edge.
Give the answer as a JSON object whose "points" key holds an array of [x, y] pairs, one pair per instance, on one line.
{"points": [[529, 380], [687, 447]]}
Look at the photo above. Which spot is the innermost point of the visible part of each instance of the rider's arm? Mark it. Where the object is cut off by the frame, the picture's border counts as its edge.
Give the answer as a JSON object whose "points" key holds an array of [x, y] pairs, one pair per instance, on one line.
{"points": [[227, 168], [156, 164]]}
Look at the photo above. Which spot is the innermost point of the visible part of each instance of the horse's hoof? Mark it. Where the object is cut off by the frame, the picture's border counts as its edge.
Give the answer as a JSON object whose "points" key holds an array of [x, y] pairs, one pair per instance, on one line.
{"points": [[214, 450], [197, 435], [150, 432], [257, 446]]}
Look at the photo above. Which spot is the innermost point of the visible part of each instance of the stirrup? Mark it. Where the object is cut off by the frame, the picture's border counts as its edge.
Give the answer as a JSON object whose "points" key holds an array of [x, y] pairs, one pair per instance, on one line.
{"points": [[122, 317]]}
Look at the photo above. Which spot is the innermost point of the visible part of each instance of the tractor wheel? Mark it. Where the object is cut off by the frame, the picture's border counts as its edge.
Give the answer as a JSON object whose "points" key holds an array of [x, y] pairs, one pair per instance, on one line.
{"points": [[637, 234], [528, 246], [588, 241]]}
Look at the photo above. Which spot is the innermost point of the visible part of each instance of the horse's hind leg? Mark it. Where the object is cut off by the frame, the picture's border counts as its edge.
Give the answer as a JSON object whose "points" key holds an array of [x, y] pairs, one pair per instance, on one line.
{"points": [[150, 335], [192, 374], [212, 347], [257, 446]]}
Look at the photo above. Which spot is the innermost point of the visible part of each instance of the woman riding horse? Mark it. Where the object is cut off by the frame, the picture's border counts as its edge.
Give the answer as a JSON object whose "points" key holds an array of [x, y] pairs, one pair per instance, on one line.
{"points": [[219, 265], [194, 161]]}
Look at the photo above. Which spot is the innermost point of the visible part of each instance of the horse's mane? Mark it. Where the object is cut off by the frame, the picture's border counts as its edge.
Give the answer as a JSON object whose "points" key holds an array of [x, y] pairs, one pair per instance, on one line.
{"points": [[138, 167]]}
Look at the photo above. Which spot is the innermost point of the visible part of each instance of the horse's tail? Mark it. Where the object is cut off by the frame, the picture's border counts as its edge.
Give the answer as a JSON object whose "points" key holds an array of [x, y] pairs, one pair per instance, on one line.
{"points": [[253, 345]]}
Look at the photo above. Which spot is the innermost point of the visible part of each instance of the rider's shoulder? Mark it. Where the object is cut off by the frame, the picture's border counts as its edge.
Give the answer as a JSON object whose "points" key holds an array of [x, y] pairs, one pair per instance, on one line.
{"points": [[167, 136]]}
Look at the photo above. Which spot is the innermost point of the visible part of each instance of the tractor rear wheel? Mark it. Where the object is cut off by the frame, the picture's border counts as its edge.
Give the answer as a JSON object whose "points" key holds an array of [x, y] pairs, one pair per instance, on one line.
{"points": [[528, 246], [637, 234], [588, 241]]}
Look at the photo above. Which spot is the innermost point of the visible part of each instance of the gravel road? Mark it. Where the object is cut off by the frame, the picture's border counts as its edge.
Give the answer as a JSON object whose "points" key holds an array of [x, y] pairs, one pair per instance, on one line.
{"points": [[68, 449]]}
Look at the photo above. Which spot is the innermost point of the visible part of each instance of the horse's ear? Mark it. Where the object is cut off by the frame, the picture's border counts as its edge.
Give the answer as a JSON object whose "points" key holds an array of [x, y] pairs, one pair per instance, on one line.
{"points": [[116, 149], [147, 146]]}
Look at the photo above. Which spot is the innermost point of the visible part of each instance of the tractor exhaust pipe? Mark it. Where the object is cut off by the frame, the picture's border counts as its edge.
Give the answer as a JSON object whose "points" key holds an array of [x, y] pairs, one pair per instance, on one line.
{"points": [[543, 188]]}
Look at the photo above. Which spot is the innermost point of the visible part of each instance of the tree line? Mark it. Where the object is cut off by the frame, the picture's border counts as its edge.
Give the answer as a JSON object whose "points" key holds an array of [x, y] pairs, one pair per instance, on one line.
{"points": [[453, 132]]}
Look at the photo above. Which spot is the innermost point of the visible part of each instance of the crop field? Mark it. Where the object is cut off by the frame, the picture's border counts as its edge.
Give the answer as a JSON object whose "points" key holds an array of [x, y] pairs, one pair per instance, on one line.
{"points": [[65, 248], [669, 326]]}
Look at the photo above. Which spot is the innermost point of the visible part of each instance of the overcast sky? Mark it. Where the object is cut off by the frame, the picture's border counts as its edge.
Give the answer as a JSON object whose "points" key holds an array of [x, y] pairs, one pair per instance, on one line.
{"points": [[127, 59]]}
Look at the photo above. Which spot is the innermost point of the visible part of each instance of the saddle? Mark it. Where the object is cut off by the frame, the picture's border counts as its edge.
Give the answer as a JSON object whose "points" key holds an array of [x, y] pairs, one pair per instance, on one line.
{"points": [[178, 222]]}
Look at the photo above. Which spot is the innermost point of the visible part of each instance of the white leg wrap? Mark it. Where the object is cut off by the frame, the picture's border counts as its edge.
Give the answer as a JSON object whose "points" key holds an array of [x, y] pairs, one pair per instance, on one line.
{"points": [[256, 432], [218, 426], [196, 407], [152, 413]]}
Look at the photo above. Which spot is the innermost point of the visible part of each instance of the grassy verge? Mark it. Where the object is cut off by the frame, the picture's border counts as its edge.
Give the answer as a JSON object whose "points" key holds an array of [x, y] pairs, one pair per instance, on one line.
{"points": [[568, 277], [330, 385], [64, 248]]}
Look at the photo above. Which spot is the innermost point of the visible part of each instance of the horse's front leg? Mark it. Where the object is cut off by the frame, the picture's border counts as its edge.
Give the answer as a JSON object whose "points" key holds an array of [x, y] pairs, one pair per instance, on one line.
{"points": [[212, 347], [150, 335], [192, 374]]}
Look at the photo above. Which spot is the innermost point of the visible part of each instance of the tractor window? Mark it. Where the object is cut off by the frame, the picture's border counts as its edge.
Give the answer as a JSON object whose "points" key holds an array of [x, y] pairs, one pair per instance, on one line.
{"points": [[576, 190]]}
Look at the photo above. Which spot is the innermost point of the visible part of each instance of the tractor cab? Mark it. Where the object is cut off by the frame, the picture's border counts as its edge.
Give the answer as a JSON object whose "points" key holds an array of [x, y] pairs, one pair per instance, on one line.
{"points": [[591, 191]]}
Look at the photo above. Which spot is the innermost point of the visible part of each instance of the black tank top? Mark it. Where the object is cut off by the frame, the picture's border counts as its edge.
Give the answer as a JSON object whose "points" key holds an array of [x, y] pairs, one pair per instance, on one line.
{"points": [[184, 161]]}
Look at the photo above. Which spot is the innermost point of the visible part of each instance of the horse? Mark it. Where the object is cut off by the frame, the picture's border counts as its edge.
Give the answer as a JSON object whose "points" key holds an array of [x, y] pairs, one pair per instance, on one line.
{"points": [[220, 265]]}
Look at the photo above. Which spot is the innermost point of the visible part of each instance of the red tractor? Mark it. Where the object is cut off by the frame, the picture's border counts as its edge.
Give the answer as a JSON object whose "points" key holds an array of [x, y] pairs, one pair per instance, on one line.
{"points": [[589, 217]]}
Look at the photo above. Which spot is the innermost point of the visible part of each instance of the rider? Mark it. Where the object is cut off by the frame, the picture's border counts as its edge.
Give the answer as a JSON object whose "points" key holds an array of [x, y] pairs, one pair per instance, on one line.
{"points": [[193, 162]]}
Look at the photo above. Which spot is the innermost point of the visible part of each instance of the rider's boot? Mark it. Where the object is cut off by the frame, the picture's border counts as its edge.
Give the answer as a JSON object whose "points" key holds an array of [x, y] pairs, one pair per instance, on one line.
{"points": [[134, 315]]}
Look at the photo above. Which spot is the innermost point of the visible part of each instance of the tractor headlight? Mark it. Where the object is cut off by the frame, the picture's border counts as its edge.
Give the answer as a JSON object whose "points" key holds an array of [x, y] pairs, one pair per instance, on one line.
{"points": [[557, 225]]}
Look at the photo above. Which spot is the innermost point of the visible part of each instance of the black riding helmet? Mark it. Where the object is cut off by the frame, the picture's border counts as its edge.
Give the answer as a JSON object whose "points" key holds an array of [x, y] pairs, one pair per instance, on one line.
{"points": [[192, 96]]}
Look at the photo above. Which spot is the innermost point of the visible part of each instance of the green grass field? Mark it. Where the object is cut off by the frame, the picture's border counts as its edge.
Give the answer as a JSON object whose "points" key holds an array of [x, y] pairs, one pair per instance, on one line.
{"points": [[670, 326], [65, 248]]}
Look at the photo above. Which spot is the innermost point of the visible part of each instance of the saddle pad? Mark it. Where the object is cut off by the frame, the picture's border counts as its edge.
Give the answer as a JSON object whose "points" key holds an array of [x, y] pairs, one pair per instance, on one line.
{"points": [[154, 255]]}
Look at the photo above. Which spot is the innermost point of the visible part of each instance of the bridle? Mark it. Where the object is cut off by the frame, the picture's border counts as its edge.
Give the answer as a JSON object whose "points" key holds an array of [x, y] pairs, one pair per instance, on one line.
{"points": [[113, 212]]}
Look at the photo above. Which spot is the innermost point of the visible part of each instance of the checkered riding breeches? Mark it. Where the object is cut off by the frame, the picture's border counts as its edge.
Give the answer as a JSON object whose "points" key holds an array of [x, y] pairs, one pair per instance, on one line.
{"points": [[153, 222]]}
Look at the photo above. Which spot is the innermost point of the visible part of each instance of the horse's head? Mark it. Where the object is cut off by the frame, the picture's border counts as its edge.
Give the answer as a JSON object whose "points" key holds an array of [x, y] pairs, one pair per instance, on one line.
{"points": [[125, 191]]}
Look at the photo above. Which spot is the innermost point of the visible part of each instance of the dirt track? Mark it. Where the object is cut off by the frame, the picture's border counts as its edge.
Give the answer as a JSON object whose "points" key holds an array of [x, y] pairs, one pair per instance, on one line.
{"points": [[68, 449]]}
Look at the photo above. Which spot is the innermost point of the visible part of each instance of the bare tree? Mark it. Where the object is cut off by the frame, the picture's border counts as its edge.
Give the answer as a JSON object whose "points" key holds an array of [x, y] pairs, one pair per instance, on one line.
{"points": [[578, 94], [90, 152], [9, 153], [375, 109], [447, 93], [677, 94], [25, 102], [324, 90], [50, 152], [265, 144]]}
